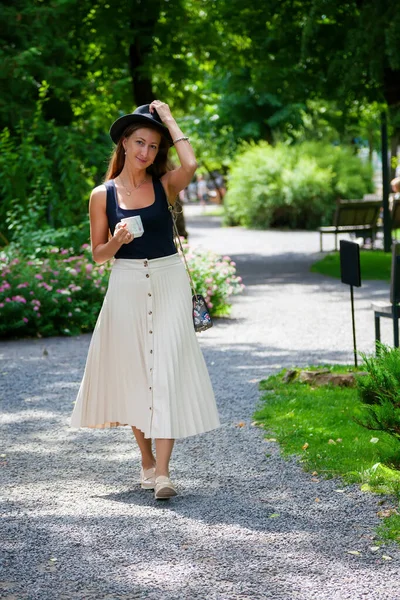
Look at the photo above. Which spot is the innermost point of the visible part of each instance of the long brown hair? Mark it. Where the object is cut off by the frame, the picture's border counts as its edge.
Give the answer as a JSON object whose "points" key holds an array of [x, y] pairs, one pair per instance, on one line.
{"points": [[160, 165]]}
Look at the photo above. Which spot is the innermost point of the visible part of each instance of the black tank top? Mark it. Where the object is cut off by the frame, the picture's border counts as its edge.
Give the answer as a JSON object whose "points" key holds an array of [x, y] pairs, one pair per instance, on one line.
{"points": [[157, 239]]}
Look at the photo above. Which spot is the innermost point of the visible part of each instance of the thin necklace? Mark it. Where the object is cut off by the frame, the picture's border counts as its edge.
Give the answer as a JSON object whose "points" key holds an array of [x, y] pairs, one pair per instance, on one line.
{"points": [[129, 192]]}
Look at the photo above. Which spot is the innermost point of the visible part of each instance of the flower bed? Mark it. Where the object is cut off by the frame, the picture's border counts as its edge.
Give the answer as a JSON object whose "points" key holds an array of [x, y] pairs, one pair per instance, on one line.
{"points": [[62, 293], [214, 277]]}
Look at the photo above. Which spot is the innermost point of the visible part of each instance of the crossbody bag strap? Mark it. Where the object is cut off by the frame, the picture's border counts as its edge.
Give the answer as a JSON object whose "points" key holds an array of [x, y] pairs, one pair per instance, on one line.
{"points": [[176, 232]]}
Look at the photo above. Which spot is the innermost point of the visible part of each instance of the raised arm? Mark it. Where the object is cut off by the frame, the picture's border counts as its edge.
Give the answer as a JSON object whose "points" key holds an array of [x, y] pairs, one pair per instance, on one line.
{"points": [[176, 180]]}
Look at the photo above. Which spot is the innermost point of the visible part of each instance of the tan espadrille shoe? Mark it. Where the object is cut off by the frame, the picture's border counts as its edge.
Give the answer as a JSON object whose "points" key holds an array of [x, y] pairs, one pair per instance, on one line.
{"points": [[148, 478], [164, 488]]}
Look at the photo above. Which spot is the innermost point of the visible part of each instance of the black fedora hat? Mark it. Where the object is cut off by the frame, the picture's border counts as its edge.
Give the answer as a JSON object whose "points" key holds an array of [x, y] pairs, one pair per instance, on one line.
{"points": [[143, 116]]}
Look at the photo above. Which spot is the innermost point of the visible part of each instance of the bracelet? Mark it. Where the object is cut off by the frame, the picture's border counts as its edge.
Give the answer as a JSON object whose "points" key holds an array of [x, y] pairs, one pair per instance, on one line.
{"points": [[180, 139]]}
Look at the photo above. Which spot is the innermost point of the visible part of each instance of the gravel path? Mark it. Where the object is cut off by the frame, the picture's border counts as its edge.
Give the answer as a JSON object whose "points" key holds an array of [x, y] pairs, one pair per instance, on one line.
{"points": [[246, 524]]}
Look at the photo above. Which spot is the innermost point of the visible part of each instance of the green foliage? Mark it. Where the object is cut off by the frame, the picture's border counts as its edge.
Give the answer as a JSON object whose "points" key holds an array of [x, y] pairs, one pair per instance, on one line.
{"points": [[48, 172], [234, 72], [38, 243], [379, 390], [351, 177], [292, 186], [59, 291], [230, 72], [374, 264]]}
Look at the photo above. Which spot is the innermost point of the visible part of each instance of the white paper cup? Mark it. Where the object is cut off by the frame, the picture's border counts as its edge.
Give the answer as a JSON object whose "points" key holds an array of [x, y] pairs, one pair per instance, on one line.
{"points": [[134, 225]]}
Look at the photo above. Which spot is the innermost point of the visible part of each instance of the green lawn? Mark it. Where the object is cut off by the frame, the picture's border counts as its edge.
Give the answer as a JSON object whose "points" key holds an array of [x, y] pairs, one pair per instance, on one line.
{"points": [[317, 424], [375, 264]]}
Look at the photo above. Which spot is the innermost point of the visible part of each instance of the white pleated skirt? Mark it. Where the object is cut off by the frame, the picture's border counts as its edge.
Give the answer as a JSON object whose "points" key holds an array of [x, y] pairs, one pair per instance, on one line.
{"points": [[145, 367]]}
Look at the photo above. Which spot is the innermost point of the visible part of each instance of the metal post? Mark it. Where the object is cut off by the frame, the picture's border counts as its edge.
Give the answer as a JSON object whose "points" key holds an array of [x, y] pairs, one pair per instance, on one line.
{"points": [[387, 226], [354, 326]]}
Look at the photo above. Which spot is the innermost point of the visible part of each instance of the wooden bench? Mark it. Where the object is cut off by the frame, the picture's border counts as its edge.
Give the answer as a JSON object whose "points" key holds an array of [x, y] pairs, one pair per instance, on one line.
{"points": [[390, 310], [353, 216]]}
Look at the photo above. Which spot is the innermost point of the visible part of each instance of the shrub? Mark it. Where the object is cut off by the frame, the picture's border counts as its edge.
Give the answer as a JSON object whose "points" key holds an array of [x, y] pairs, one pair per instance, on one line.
{"points": [[214, 277], [293, 186], [47, 172], [60, 292], [38, 243], [379, 391]]}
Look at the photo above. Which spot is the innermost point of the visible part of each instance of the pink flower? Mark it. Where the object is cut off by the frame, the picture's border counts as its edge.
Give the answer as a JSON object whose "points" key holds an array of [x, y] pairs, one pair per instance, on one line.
{"points": [[25, 320], [232, 263], [19, 299], [15, 261], [35, 308], [210, 304], [23, 285], [39, 276], [1, 304], [85, 246], [8, 299], [70, 314], [39, 315], [36, 302], [69, 299], [5, 285], [89, 268], [64, 251], [56, 273], [46, 286]]}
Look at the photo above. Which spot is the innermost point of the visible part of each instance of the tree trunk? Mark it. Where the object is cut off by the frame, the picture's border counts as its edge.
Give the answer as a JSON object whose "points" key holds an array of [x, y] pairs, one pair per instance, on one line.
{"points": [[391, 86], [143, 23], [141, 84]]}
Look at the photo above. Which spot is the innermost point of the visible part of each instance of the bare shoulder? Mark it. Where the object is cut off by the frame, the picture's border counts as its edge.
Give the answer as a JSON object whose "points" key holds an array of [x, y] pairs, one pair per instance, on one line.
{"points": [[98, 194]]}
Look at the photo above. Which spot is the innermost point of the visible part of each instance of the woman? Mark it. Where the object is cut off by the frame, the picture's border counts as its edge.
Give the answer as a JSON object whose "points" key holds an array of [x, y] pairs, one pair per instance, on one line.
{"points": [[144, 366]]}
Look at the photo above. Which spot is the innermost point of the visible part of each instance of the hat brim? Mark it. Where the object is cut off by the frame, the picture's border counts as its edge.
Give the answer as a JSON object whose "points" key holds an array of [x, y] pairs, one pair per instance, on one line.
{"points": [[119, 126]]}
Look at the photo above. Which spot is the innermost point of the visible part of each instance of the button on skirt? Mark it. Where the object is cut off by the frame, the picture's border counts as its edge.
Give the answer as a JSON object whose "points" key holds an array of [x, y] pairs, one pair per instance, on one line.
{"points": [[145, 367]]}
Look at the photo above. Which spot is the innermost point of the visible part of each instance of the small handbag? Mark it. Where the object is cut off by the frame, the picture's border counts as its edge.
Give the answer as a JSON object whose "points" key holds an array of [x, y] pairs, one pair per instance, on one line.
{"points": [[201, 313]]}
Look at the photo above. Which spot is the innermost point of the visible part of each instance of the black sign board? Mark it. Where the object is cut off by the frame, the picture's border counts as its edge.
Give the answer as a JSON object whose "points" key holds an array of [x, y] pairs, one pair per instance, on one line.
{"points": [[350, 263], [351, 275]]}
